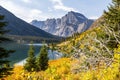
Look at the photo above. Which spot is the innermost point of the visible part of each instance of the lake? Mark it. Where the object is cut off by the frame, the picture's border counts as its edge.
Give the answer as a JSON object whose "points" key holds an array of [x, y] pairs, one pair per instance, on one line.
{"points": [[21, 52]]}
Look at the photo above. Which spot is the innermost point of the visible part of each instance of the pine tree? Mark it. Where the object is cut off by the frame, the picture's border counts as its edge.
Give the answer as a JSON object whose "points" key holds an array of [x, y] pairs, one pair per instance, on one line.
{"points": [[42, 59], [112, 16], [30, 64], [4, 63], [112, 22]]}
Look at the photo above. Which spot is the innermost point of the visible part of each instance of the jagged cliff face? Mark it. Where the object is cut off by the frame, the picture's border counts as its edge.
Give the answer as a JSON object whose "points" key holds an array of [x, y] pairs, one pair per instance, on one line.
{"points": [[66, 26]]}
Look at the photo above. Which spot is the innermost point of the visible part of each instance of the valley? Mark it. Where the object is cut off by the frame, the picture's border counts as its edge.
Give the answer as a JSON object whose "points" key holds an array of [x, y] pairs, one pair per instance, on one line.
{"points": [[66, 46]]}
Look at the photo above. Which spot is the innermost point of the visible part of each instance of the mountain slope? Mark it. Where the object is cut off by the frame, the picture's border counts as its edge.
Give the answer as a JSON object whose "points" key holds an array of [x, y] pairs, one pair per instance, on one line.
{"points": [[69, 24], [97, 22], [20, 27]]}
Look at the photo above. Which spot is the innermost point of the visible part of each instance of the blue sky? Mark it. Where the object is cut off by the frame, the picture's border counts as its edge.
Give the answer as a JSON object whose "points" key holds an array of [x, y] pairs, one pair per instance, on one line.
{"points": [[29, 10]]}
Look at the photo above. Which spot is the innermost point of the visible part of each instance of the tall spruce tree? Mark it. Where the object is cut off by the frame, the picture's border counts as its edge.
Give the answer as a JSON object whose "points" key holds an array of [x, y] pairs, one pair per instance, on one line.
{"points": [[112, 21], [42, 59], [30, 64], [112, 16], [4, 53]]}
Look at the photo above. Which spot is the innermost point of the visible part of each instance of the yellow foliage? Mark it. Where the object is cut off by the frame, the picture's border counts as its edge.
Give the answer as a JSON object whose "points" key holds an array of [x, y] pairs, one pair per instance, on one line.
{"points": [[60, 69], [82, 46]]}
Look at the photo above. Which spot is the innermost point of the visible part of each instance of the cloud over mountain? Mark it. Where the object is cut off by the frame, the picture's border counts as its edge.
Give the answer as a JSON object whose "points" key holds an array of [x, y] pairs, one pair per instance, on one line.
{"points": [[58, 5]]}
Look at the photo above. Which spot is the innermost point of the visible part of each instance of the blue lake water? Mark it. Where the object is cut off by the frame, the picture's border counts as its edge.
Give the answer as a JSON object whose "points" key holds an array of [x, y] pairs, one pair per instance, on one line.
{"points": [[21, 52]]}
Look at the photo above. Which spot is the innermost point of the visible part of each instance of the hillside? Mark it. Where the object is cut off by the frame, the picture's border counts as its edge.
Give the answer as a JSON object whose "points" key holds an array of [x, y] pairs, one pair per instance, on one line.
{"points": [[72, 22], [20, 27], [97, 23]]}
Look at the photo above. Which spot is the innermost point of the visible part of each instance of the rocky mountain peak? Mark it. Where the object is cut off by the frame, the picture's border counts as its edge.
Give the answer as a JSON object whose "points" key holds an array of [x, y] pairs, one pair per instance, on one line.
{"points": [[77, 15], [69, 24], [74, 18]]}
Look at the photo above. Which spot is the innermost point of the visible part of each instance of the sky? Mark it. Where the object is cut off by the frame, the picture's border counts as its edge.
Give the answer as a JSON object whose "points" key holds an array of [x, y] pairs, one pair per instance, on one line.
{"points": [[29, 10]]}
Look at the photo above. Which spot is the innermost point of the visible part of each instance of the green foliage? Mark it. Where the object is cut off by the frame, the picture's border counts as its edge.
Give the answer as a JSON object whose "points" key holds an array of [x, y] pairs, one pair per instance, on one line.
{"points": [[112, 22], [30, 62], [112, 17], [39, 63], [42, 59], [3, 52]]}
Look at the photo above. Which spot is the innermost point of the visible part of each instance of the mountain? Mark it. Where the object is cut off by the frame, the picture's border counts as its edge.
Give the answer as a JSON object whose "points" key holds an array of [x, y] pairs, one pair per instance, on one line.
{"points": [[20, 27], [69, 24]]}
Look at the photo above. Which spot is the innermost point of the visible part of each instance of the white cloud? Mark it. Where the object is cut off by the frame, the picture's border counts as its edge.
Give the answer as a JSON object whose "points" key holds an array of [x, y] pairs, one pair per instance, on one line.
{"points": [[57, 2], [34, 14], [50, 9], [58, 5], [35, 11], [12, 7], [64, 8], [23, 12], [17, 10], [93, 17], [26, 1], [30, 13]]}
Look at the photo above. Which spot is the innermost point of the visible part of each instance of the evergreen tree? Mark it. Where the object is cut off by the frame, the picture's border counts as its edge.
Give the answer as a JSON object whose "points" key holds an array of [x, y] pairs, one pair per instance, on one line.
{"points": [[30, 64], [112, 22], [112, 16], [4, 53], [42, 59]]}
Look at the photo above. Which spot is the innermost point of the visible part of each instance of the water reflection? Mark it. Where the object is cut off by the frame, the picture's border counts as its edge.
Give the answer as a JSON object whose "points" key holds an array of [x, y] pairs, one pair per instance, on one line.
{"points": [[22, 52]]}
